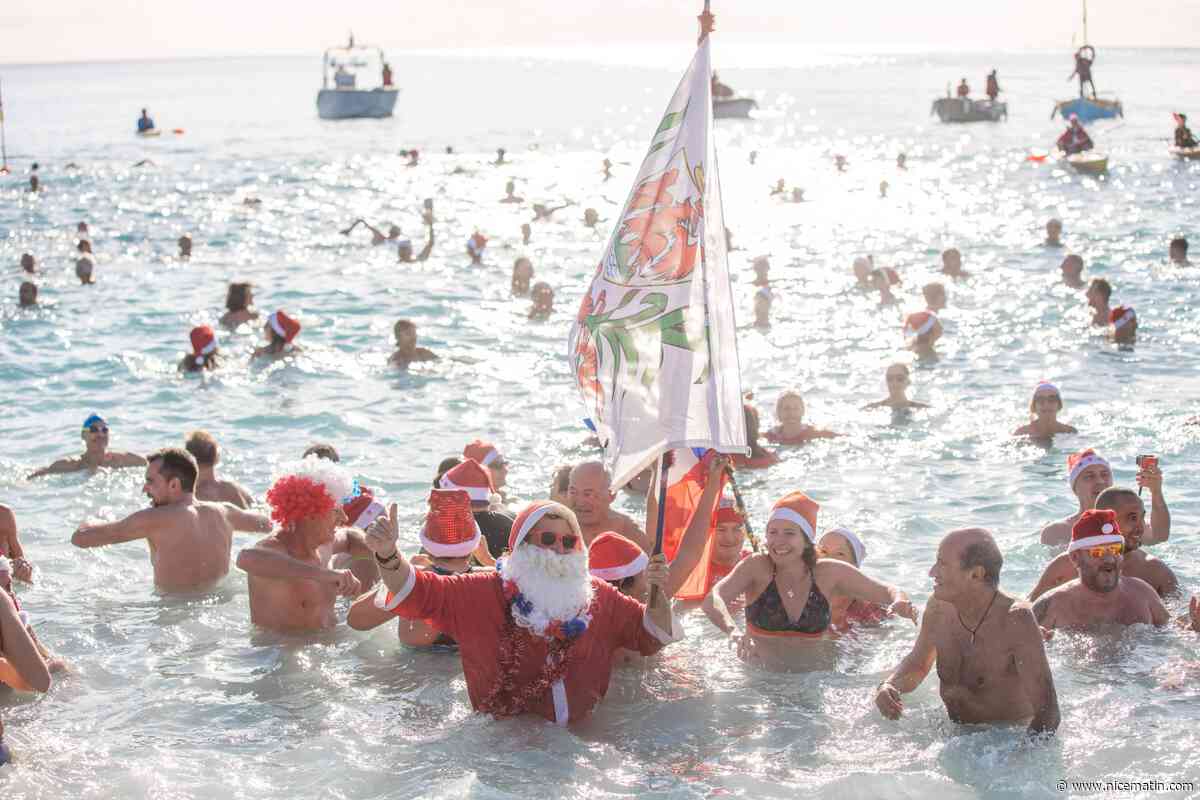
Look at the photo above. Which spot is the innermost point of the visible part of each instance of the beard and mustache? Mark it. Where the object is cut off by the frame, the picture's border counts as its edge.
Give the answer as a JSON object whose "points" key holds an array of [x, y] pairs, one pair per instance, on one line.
{"points": [[558, 585]]}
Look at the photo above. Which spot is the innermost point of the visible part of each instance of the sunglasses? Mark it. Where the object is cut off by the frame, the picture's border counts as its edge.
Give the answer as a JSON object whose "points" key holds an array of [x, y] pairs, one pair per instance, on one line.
{"points": [[549, 539], [1115, 549], [624, 585]]}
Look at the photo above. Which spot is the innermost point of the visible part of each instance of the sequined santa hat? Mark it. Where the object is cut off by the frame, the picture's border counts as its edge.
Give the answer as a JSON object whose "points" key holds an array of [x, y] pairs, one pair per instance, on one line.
{"points": [[450, 530]]}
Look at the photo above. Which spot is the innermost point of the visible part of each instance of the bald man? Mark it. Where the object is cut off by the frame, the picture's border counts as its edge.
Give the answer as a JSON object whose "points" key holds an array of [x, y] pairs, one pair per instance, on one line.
{"points": [[987, 645], [590, 496]]}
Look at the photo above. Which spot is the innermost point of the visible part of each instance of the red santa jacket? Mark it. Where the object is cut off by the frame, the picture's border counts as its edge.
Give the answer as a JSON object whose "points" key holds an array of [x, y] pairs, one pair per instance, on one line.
{"points": [[472, 608]]}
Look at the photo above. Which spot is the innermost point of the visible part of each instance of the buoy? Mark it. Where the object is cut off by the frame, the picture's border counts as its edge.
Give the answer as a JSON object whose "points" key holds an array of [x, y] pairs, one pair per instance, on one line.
{"points": [[178, 131]]}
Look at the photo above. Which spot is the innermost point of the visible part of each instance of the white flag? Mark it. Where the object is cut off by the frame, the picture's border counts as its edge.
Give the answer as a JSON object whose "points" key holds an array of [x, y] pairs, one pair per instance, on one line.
{"points": [[653, 348]]}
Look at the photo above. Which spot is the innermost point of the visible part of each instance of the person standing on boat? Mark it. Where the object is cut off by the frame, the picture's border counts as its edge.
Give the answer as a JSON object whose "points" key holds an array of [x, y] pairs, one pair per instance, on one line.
{"points": [[1183, 136], [1075, 139], [963, 89], [1084, 57], [719, 89], [145, 124], [387, 75], [993, 86]]}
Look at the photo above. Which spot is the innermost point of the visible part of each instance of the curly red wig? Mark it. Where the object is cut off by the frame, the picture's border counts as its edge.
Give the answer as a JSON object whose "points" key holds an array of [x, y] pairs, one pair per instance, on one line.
{"points": [[294, 498]]}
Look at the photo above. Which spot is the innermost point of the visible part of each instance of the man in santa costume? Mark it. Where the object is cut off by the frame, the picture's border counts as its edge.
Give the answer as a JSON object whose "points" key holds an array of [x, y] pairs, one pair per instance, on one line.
{"points": [[538, 635]]}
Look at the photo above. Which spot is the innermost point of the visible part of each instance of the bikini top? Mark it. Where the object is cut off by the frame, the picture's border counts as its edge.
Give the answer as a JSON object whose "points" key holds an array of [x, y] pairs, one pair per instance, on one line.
{"points": [[768, 614]]}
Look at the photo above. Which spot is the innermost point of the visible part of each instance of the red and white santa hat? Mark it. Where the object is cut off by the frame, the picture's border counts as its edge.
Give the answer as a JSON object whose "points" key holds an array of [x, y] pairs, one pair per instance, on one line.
{"points": [[450, 529], [1121, 316], [1096, 527], [285, 326], [533, 512], [727, 512], [798, 508], [856, 544], [363, 509], [204, 342], [919, 323], [472, 478], [1078, 462], [612, 557], [483, 452], [477, 243]]}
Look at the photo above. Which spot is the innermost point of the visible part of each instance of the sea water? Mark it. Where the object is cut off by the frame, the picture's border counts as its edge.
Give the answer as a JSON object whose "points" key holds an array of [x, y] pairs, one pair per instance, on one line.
{"points": [[175, 696]]}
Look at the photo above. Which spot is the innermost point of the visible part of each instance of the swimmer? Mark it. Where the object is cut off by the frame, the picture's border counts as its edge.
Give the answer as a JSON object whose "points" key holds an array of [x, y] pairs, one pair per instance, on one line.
{"points": [[789, 410], [543, 301], [413, 156], [1053, 233], [239, 300], [797, 194], [28, 263], [787, 588], [778, 188], [1135, 561], [762, 268], [404, 248], [526, 233], [475, 479], [82, 231], [753, 157], [204, 355], [291, 590], [590, 217], [1178, 252], [881, 282], [209, 487], [522, 274], [762, 307], [10, 546], [541, 211], [842, 544], [96, 453], [185, 247], [863, 267], [1099, 292], [500, 157], [280, 333], [377, 236], [1072, 271], [952, 263], [902, 161], [921, 331], [898, 380], [405, 334], [607, 169], [510, 194], [252, 202], [22, 662], [145, 162], [840, 162], [590, 496], [760, 457], [486, 455], [1043, 414], [988, 648], [1100, 594], [935, 296], [83, 271], [560, 483], [84, 246], [883, 189], [189, 539], [1124, 325], [475, 247], [27, 294]]}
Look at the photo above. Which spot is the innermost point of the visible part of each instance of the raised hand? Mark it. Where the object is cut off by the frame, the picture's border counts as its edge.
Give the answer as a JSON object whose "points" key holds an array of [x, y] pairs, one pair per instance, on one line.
{"points": [[381, 535]]}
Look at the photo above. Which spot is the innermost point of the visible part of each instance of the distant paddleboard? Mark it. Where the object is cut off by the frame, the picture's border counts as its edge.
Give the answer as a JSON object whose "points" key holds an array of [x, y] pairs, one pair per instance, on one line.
{"points": [[151, 132]]}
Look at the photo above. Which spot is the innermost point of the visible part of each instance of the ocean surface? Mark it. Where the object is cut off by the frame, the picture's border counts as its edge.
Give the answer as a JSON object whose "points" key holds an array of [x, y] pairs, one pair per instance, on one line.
{"points": [[180, 697]]}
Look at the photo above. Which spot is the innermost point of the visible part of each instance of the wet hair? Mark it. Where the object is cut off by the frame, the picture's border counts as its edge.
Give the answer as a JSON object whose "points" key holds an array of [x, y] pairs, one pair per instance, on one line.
{"points": [[1055, 222], [237, 298], [1102, 286], [1113, 495], [1179, 243], [178, 464], [404, 325], [203, 447], [322, 450], [561, 481], [930, 289], [984, 554], [445, 466], [1074, 260]]}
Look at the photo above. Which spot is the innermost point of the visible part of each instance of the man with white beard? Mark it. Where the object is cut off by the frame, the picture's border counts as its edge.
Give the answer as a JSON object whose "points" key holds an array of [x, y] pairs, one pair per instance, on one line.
{"points": [[536, 636]]}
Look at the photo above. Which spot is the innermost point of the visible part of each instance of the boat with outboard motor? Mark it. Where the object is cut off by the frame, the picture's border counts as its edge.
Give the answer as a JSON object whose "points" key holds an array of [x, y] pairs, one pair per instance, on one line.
{"points": [[964, 109]]}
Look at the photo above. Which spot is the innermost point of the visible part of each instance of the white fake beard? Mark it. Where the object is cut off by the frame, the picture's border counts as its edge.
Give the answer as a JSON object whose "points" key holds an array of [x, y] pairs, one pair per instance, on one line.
{"points": [[559, 586]]}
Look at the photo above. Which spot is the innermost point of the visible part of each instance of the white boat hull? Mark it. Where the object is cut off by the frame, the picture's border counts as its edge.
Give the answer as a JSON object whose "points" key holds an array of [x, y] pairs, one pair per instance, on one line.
{"points": [[733, 107], [1088, 163], [352, 103], [959, 109]]}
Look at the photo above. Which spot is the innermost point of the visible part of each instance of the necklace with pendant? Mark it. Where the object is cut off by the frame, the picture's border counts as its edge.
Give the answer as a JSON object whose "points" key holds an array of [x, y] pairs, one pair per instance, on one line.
{"points": [[975, 630]]}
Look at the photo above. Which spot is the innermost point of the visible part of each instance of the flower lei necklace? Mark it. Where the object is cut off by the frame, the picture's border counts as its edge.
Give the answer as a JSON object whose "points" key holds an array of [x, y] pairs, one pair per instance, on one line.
{"points": [[522, 608]]}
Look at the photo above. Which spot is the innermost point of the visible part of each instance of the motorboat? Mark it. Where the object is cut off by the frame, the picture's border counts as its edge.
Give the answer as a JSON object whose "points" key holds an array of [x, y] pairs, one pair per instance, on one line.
{"points": [[1088, 162], [964, 109], [347, 98], [733, 107]]}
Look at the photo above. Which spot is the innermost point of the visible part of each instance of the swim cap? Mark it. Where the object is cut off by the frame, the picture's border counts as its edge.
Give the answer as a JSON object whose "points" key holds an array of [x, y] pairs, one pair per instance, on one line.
{"points": [[92, 420]]}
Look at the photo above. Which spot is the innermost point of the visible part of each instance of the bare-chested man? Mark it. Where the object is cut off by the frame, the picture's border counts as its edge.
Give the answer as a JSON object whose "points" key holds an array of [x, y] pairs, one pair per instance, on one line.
{"points": [[95, 454], [1136, 562], [1088, 475], [1100, 594], [291, 589], [987, 646], [189, 539], [203, 448], [590, 496]]}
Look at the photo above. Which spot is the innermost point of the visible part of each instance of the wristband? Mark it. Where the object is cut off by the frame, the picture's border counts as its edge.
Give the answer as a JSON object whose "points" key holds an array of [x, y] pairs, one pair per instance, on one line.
{"points": [[385, 561]]}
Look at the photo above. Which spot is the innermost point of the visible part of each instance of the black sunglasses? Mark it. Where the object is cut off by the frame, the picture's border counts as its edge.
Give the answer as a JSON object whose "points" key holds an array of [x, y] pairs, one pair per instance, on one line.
{"points": [[549, 539]]}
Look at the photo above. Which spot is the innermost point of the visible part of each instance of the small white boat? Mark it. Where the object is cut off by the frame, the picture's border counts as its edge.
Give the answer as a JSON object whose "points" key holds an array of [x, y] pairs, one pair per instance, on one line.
{"points": [[1088, 162], [346, 99], [964, 109], [1185, 152], [733, 107]]}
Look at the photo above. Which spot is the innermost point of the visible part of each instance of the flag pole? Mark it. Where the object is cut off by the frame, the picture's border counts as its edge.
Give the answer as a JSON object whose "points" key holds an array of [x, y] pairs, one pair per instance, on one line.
{"points": [[4, 170], [741, 509]]}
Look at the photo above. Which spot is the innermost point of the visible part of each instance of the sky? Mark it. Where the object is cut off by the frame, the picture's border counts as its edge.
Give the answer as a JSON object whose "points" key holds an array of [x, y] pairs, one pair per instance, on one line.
{"points": [[33, 31]]}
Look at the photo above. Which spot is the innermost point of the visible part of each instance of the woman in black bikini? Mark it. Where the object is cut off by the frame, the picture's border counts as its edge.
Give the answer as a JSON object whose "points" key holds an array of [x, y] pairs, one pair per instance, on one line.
{"points": [[785, 588]]}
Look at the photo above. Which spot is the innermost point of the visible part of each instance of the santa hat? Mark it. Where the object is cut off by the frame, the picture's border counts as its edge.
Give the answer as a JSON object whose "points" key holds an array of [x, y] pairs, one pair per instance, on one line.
{"points": [[450, 529], [284, 325], [483, 452], [362, 509], [533, 512], [472, 478], [612, 557], [204, 342], [308, 488], [1078, 462], [1121, 316], [1096, 527], [919, 323], [798, 508], [856, 544], [476, 243], [727, 511]]}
